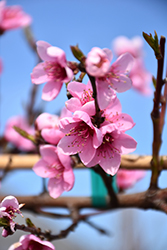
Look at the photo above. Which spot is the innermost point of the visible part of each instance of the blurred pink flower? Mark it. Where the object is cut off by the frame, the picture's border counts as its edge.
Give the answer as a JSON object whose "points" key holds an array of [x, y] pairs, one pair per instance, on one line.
{"points": [[12, 17], [1, 66], [98, 61], [8, 207], [123, 44], [53, 70], [31, 242], [47, 124], [15, 138], [127, 178], [56, 166], [141, 78]]}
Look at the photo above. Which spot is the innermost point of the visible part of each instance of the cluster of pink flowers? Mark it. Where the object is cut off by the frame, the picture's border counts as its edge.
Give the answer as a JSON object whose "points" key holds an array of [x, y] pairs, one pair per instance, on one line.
{"points": [[79, 132], [141, 78], [53, 164], [103, 145], [91, 126], [8, 208]]}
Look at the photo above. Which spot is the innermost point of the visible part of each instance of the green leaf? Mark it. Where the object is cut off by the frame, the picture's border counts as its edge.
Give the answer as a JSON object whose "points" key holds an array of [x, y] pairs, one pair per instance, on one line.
{"points": [[25, 134], [4, 222], [29, 223], [154, 44], [78, 53]]}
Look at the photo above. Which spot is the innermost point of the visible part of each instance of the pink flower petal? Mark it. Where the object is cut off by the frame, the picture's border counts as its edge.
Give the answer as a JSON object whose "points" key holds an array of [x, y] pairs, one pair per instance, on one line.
{"points": [[89, 108], [46, 120], [41, 169], [25, 240], [84, 117], [48, 153], [42, 50], [68, 145], [67, 123], [76, 89], [127, 178], [124, 122], [69, 178], [52, 135], [55, 187], [58, 55], [73, 104], [51, 90], [126, 144], [10, 201], [64, 159], [124, 63], [105, 94], [87, 152], [111, 165], [39, 75], [69, 75], [121, 84]]}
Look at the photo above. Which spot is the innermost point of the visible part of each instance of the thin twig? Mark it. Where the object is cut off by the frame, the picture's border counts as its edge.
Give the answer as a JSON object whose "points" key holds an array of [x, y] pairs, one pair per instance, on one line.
{"points": [[155, 115]]}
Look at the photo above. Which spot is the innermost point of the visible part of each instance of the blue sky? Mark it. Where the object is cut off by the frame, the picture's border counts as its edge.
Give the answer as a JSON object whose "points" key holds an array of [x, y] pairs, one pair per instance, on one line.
{"points": [[89, 24]]}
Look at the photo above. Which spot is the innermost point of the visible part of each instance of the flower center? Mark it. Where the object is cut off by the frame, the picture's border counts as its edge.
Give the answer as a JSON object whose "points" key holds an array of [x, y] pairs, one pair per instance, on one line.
{"points": [[86, 96], [107, 149], [81, 133], [55, 71]]}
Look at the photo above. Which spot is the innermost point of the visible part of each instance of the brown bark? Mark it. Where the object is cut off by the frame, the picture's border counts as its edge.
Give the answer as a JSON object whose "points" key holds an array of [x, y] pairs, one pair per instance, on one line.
{"points": [[127, 162]]}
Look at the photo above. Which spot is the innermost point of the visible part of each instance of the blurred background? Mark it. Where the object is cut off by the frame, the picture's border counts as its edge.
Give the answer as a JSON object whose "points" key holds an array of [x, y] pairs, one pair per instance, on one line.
{"points": [[88, 24]]}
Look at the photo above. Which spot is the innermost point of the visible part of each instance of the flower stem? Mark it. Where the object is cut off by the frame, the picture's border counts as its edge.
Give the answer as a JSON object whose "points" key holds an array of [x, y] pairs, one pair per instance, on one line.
{"points": [[98, 117]]}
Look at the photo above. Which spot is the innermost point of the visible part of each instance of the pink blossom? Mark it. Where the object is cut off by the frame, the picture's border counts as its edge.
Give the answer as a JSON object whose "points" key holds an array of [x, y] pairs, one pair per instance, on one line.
{"points": [[82, 97], [82, 136], [127, 178], [141, 78], [57, 167], [12, 17], [115, 143], [53, 70], [14, 137], [117, 78], [98, 62], [47, 124], [123, 44], [31, 242], [8, 207]]}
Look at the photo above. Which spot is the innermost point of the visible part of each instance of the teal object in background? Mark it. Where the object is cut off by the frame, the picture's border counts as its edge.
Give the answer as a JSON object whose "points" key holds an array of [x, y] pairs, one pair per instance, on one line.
{"points": [[99, 191]]}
